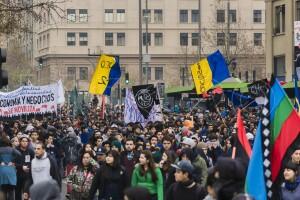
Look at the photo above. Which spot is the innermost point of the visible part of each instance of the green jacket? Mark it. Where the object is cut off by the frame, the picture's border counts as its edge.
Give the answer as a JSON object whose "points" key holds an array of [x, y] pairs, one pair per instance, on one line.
{"points": [[146, 182]]}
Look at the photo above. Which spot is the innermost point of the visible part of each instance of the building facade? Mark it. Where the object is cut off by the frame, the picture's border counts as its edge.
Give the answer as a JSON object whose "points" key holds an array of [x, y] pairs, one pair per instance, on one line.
{"points": [[67, 48], [280, 48]]}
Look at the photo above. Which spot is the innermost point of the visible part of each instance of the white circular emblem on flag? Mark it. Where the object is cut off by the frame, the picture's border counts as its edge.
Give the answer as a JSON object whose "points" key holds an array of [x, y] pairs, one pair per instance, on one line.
{"points": [[144, 98]]}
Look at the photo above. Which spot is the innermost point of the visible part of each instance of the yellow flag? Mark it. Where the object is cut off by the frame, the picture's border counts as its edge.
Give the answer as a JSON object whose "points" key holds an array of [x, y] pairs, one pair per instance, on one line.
{"points": [[202, 76], [100, 77]]}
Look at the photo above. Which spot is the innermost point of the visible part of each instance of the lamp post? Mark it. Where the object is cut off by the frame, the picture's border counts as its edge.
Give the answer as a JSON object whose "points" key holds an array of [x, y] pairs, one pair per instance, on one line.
{"points": [[146, 37], [199, 29], [140, 44]]}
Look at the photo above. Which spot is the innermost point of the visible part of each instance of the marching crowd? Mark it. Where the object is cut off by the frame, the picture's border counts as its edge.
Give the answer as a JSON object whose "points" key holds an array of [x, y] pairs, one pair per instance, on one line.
{"points": [[187, 156]]}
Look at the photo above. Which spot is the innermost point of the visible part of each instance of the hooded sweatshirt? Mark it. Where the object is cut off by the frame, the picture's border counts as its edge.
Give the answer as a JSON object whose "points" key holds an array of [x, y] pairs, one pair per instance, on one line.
{"points": [[40, 169]]}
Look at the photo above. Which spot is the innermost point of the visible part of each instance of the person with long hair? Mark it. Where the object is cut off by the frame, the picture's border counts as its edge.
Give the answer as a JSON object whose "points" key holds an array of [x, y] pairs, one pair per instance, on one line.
{"points": [[147, 175], [81, 177], [168, 158], [110, 180]]}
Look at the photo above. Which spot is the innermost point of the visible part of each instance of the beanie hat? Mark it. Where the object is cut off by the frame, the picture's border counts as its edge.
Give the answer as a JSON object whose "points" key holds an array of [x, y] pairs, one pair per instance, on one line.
{"points": [[189, 141], [292, 166], [117, 144]]}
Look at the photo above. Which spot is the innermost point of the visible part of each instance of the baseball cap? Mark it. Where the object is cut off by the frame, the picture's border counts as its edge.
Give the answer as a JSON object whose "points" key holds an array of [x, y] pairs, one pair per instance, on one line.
{"points": [[185, 166], [189, 141], [100, 151]]}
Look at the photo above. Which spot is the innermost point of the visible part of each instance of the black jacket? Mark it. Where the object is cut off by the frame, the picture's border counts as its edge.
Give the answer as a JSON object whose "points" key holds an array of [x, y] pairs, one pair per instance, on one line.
{"points": [[24, 160], [129, 160], [110, 182], [187, 191]]}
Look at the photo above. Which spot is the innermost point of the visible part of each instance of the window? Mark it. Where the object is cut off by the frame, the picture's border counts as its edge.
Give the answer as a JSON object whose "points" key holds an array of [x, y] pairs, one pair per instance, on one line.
{"points": [[71, 73], [159, 73], [184, 75], [147, 37], [120, 39], [120, 15], [83, 39], [297, 10], [246, 76], [158, 16], [240, 75], [220, 39], [195, 39], [44, 41], [257, 16], [71, 40], [254, 75], [158, 39], [109, 39], [232, 16], [184, 39], [280, 19], [279, 67], [232, 39], [257, 39], [109, 15], [48, 40], [220, 16], [146, 15], [83, 15], [183, 16], [195, 16], [83, 73], [71, 15], [147, 72]]}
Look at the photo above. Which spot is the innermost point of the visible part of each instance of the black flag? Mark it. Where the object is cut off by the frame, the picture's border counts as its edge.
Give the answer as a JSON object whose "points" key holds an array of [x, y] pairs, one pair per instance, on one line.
{"points": [[258, 88], [145, 97]]}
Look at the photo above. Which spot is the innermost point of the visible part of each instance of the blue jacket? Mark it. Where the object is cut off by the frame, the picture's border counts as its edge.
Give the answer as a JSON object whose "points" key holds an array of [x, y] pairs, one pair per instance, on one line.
{"points": [[8, 173]]}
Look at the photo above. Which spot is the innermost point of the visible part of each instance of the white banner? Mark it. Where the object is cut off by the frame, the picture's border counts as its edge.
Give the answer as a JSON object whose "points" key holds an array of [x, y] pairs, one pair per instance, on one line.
{"points": [[132, 113], [29, 100]]}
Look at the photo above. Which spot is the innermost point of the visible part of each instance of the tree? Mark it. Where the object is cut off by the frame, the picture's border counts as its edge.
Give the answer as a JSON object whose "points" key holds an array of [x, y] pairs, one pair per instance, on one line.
{"points": [[237, 46], [14, 14], [20, 70]]}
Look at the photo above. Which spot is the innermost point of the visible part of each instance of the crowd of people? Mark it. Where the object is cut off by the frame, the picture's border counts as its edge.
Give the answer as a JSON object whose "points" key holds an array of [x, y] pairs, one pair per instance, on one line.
{"points": [[187, 156]]}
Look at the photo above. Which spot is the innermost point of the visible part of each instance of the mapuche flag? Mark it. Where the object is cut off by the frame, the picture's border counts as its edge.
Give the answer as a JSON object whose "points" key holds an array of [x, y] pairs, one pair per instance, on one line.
{"points": [[277, 133]]}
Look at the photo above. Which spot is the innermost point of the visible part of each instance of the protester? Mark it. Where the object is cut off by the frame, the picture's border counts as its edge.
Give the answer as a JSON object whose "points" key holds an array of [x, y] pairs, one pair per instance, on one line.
{"points": [[291, 186], [23, 166], [229, 177], [110, 180], [168, 158], [129, 157], [8, 175], [45, 190], [147, 175], [81, 176], [185, 187], [296, 158], [200, 172], [44, 166], [137, 193]]}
